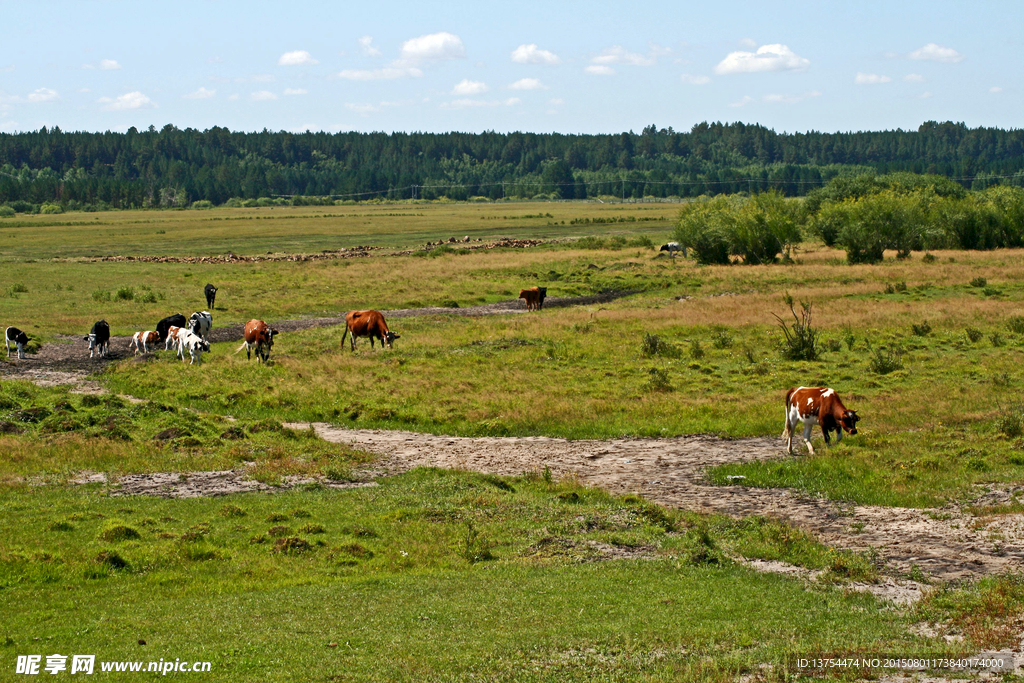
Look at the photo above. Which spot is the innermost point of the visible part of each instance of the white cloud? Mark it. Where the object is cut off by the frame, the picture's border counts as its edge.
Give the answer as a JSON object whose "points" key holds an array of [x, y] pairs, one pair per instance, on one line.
{"points": [[531, 54], [200, 94], [84, 90], [385, 74], [600, 70], [296, 91], [7, 68], [619, 55], [870, 79], [694, 80], [937, 53], [127, 102], [262, 96], [296, 58], [9, 125], [774, 57], [109, 64], [527, 84], [748, 43], [556, 101], [995, 89], [258, 78], [468, 103], [366, 45], [434, 46], [42, 95], [924, 96], [468, 87], [364, 109], [776, 99], [914, 78], [233, 97], [743, 101]]}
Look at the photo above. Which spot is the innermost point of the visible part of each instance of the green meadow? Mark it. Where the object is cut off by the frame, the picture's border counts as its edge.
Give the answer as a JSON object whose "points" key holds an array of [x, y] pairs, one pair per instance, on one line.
{"points": [[439, 575]]}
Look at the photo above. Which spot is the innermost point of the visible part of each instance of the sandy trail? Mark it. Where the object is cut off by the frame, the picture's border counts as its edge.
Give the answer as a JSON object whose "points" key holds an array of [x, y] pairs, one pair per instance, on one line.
{"points": [[947, 544]]}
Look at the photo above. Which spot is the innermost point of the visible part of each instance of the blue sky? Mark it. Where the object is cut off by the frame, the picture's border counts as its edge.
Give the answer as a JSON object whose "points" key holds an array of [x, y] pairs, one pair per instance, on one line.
{"points": [[571, 67]]}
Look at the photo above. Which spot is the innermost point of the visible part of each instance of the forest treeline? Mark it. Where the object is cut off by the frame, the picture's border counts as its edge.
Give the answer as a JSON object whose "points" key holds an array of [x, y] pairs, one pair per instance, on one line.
{"points": [[174, 167]]}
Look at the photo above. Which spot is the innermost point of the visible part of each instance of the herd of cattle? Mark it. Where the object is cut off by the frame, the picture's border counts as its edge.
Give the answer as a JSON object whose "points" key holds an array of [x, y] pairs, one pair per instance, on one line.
{"points": [[807, 405]]}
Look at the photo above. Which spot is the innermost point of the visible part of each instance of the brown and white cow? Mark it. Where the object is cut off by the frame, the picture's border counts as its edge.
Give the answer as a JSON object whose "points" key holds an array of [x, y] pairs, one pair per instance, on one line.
{"points": [[817, 406], [258, 337], [174, 337], [141, 339], [532, 298], [367, 324]]}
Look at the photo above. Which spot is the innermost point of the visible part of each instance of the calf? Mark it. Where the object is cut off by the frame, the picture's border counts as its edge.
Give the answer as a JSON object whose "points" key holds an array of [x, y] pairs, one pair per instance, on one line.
{"points": [[176, 320], [532, 297], [200, 323], [672, 248], [195, 346], [259, 337], [543, 295], [99, 338], [174, 337], [140, 340], [20, 339], [817, 406], [211, 295], [368, 324]]}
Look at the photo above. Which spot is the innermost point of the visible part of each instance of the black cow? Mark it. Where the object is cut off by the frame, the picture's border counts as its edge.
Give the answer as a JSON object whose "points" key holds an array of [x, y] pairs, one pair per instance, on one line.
{"points": [[20, 339], [540, 300], [211, 295], [99, 338], [176, 320]]}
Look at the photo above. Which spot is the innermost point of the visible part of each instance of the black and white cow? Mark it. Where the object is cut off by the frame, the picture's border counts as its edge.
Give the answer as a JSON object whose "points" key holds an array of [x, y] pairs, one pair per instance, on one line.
{"points": [[211, 295], [99, 338], [195, 346], [176, 320], [19, 338], [200, 323], [672, 248]]}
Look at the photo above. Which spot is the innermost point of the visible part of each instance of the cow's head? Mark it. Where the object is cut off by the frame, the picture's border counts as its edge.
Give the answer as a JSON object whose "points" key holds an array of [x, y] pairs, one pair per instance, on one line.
{"points": [[849, 421], [389, 337]]}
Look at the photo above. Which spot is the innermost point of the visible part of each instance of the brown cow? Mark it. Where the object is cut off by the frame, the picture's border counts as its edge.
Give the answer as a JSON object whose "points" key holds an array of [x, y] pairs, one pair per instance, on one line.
{"points": [[532, 297], [367, 324], [140, 340], [817, 406], [259, 336]]}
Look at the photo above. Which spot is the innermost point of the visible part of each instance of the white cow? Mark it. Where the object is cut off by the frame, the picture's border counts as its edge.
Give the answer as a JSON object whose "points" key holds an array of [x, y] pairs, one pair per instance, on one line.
{"points": [[141, 339]]}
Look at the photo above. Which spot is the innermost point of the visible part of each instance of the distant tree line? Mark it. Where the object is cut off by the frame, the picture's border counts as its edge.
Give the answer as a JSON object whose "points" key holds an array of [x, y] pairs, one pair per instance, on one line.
{"points": [[173, 167], [865, 215]]}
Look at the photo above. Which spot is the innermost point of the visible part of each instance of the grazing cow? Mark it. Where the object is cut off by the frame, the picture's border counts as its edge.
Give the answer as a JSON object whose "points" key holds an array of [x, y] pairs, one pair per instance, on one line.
{"points": [[532, 297], [195, 346], [20, 339], [99, 338], [368, 324], [141, 340], [211, 295], [259, 337], [543, 295], [176, 320], [672, 248], [200, 323], [174, 337], [817, 406]]}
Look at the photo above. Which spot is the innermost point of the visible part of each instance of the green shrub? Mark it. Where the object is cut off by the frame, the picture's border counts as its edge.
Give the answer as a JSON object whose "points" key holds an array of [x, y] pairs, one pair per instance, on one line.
{"points": [[800, 340], [51, 209], [979, 282], [1011, 421], [974, 334], [922, 330], [202, 204], [882, 361], [1015, 324], [125, 293], [7, 212], [652, 345], [720, 339]]}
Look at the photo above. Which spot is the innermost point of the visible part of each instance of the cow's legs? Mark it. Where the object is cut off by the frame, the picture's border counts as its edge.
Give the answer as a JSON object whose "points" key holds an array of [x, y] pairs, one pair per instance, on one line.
{"points": [[807, 437], [8, 345]]}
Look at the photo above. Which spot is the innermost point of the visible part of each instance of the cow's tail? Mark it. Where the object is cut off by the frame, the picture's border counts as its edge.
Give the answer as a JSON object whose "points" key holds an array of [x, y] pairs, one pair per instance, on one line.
{"points": [[241, 348], [788, 430], [344, 334]]}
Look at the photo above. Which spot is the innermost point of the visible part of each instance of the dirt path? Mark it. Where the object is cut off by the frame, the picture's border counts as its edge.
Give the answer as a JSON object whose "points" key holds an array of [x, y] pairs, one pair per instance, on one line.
{"points": [[947, 544]]}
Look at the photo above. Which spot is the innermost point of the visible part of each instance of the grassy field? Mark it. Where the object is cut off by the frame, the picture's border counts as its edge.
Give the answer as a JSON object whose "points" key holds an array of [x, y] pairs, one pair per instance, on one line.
{"points": [[449, 576]]}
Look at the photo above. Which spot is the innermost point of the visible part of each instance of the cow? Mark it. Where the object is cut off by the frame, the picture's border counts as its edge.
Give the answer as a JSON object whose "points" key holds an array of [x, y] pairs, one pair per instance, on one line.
{"points": [[19, 338], [174, 337], [199, 324], [532, 297], [195, 346], [176, 320], [368, 324], [672, 248], [141, 340], [211, 295], [543, 295], [817, 406], [258, 337], [98, 338]]}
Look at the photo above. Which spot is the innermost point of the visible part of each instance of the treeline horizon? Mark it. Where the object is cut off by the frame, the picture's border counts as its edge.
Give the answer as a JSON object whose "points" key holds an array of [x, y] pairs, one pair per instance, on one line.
{"points": [[174, 167]]}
